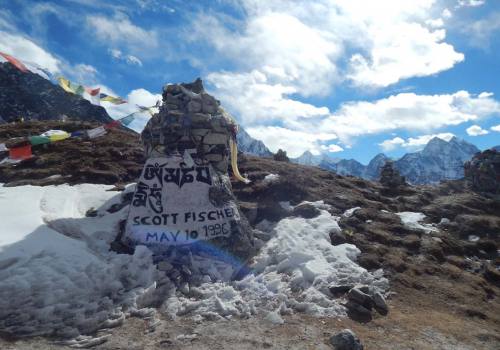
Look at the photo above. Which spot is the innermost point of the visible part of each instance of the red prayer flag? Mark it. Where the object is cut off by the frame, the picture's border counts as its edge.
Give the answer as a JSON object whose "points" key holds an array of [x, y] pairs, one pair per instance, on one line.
{"points": [[18, 64], [93, 92], [23, 152], [113, 124]]}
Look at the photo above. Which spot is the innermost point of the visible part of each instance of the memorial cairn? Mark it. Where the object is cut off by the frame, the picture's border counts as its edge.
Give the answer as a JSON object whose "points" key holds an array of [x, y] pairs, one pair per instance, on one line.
{"points": [[183, 208]]}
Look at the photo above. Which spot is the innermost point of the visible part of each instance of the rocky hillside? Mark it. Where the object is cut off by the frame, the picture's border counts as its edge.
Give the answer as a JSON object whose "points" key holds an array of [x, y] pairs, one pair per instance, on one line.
{"points": [[29, 96], [443, 267]]}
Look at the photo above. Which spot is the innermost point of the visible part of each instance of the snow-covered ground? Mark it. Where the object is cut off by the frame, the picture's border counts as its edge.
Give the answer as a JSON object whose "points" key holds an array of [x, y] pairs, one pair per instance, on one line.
{"points": [[57, 275]]}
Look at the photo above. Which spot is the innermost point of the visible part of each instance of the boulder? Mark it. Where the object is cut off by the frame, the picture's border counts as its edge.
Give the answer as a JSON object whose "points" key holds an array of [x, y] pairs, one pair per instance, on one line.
{"points": [[346, 340]]}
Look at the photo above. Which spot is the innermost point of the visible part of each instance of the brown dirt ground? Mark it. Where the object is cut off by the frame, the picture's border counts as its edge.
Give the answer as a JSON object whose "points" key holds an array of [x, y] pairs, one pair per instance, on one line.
{"points": [[446, 288]]}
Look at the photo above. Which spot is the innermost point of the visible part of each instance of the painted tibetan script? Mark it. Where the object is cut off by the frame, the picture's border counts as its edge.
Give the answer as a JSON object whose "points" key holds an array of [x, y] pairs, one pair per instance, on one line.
{"points": [[171, 205]]}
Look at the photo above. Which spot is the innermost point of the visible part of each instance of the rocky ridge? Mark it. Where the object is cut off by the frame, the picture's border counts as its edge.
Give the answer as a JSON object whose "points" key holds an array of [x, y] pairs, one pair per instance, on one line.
{"points": [[29, 96]]}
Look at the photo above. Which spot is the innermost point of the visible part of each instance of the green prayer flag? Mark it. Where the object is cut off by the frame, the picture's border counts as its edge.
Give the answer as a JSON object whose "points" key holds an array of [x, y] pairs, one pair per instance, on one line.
{"points": [[38, 140]]}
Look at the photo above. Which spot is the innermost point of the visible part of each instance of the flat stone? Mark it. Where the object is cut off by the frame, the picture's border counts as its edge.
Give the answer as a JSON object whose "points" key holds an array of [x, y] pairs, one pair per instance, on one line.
{"points": [[380, 304], [340, 289], [357, 296], [346, 340]]}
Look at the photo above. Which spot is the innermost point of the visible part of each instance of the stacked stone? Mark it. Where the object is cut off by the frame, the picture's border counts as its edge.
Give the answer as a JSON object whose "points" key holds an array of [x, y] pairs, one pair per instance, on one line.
{"points": [[390, 177], [483, 172], [190, 119]]}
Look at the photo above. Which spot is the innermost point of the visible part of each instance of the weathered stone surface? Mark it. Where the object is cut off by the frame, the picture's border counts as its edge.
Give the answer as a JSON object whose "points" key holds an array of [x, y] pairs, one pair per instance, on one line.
{"points": [[184, 197], [380, 304], [340, 289], [306, 210], [483, 172], [337, 237], [357, 296], [346, 340]]}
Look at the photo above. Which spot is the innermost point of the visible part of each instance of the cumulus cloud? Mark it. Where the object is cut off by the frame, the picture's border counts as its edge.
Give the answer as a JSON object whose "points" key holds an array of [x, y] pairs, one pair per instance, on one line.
{"points": [[476, 130], [120, 31], [294, 142], [136, 97], [25, 49], [333, 148], [130, 59], [408, 111], [412, 143], [495, 128]]}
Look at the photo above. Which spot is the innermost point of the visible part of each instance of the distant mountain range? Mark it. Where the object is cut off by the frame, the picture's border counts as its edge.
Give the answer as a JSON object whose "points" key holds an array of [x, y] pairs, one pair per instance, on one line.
{"points": [[439, 160], [247, 144]]}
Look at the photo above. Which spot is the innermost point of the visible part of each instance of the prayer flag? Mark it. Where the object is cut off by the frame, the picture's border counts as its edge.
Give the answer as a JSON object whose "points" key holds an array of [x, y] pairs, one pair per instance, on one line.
{"points": [[56, 135], [113, 124], [38, 140], [96, 132], [20, 153], [128, 119], [112, 99], [18, 64], [70, 87], [93, 92]]}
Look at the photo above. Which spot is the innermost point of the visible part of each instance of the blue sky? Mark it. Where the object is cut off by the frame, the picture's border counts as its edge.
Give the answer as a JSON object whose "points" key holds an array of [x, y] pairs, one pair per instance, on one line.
{"points": [[351, 78]]}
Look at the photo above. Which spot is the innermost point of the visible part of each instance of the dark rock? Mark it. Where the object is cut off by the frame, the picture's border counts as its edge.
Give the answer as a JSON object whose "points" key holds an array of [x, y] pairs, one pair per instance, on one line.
{"points": [[346, 340], [32, 97], [306, 210], [337, 237], [340, 289], [359, 297], [380, 304], [483, 172]]}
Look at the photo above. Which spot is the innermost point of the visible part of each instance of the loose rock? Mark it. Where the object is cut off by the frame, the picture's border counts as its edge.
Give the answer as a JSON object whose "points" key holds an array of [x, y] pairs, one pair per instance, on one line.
{"points": [[346, 340]]}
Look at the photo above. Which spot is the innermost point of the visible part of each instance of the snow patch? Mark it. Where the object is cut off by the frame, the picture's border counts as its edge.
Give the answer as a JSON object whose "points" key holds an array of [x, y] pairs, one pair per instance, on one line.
{"points": [[292, 272], [57, 276], [412, 221], [349, 212], [270, 178]]}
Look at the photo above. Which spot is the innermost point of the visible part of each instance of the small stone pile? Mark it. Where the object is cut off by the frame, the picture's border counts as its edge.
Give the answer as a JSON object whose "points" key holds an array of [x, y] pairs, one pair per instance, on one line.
{"points": [[390, 177], [190, 119], [361, 300], [483, 172]]}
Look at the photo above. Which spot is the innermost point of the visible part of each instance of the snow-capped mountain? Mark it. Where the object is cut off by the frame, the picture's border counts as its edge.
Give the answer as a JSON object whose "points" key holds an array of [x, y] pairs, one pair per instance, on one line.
{"points": [[322, 160], [439, 160], [247, 144]]}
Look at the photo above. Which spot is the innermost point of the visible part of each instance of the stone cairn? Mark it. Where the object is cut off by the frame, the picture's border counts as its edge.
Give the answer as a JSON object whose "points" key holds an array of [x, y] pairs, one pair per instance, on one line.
{"points": [[483, 172], [390, 177], [191, 125]]}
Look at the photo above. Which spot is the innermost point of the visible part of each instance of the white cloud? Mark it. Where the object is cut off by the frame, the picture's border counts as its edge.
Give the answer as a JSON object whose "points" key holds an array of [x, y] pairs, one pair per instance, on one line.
{"points": [[413, 143], [279, 53], [334, 148], [476, 130], [257, 100], [495, 128], [408, 111], [130, 59], [119, 31], [470, 3], [25, 49], [294, 142], [479, 33], [136, 97]]}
